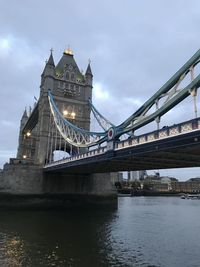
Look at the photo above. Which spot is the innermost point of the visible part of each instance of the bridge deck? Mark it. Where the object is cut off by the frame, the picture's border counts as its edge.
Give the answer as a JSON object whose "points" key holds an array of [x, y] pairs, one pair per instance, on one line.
{"points": [[177, 146]]}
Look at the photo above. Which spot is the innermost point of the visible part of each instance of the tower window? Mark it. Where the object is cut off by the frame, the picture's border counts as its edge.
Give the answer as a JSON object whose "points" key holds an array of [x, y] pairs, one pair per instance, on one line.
{"points": [[72, 77], [61, 84], [78, 90], [67, 75]]}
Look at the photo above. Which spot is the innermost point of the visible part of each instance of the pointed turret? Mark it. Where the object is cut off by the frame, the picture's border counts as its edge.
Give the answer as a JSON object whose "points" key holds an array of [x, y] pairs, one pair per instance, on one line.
{"points": [[49, 66], [88, 75], [23, 121], [88, 71], [24, 116], [51, 61]]}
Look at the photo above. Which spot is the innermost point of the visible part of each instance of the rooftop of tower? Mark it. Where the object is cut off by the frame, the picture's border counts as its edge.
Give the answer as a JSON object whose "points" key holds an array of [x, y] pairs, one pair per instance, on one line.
{"points": [[68, 51], [67, 60]]}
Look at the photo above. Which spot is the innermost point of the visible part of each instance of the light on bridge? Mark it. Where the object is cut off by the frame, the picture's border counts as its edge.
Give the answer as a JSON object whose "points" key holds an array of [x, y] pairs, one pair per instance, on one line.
{"points": [[69, 115], [65, 112], [24, 156], [73, 115], [28, 134]]}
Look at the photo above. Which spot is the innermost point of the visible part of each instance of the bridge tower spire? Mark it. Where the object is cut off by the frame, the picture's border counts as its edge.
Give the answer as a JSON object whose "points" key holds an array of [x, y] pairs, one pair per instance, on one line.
{"points": [[48, 74], [21, 143], [89, 75], [88, 70]]}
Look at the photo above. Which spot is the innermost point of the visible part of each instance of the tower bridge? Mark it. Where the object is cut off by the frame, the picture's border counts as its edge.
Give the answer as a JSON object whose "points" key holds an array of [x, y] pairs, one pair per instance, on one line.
{"points": [[61, 120]]}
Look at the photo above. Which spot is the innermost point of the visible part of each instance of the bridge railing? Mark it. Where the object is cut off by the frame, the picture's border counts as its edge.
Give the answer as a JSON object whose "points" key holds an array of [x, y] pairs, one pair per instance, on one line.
{"points": [[88, 154], [165, 132]]}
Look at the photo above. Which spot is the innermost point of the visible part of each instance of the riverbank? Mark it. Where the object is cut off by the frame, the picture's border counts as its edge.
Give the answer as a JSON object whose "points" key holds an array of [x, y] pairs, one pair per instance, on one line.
{"points": [[132, 192]]}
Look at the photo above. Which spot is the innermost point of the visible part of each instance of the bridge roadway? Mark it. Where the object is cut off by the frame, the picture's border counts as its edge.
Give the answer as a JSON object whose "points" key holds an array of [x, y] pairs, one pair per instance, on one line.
{"points": [[177, 146]]}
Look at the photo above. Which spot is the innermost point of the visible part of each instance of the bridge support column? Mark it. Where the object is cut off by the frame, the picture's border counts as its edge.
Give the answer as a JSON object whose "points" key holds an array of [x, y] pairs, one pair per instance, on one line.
{"points": [[83, 189]]}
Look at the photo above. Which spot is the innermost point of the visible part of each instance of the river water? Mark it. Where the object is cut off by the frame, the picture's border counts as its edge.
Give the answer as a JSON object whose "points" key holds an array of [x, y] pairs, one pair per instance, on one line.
{"points": [[142, 231]]}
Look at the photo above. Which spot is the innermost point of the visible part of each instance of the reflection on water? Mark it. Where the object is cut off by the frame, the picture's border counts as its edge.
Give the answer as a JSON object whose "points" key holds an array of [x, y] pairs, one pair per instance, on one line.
{"points": [[142, 232], [12, 250], [53, 238]]}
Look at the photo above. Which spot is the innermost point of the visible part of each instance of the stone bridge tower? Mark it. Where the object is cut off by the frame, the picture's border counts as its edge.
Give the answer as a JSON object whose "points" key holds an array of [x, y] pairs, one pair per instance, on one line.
{"points": [[71, 89], [25, 175]]}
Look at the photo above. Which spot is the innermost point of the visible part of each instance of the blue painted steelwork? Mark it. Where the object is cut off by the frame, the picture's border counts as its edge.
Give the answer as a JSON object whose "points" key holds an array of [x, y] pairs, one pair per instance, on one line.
{"points": [[70, 132], [121, 129], [178, 76], [103, 122], [139, 118], [193, 61], [68, 122]]}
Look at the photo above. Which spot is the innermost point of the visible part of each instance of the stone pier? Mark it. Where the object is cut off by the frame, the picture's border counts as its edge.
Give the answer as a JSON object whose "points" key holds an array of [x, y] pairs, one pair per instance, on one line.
{"points": [[24, 185]]}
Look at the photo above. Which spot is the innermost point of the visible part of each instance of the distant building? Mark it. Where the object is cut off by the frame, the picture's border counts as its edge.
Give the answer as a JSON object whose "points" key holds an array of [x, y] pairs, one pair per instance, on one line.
{"points": [[136, 175], [168, 180], [158, 183], [190, 186], [196, 179]]}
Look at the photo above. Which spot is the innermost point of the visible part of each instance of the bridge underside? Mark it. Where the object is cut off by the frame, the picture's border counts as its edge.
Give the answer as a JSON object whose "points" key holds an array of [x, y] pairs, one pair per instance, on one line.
{"points": [[175, 152]]}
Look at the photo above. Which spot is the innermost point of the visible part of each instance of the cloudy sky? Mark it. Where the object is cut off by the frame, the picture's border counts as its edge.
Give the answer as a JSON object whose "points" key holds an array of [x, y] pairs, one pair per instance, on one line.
{"points": [[134, 46]]}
